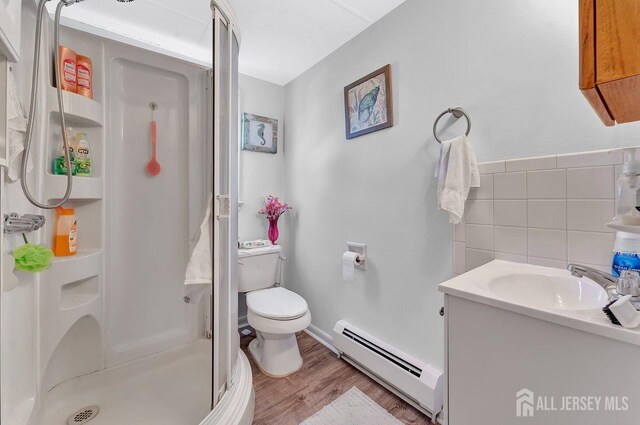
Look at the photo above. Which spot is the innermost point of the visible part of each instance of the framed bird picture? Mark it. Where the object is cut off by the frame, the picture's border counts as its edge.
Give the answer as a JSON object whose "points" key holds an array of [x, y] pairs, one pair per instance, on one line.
{"points": [[368, 105], [259, 134]]}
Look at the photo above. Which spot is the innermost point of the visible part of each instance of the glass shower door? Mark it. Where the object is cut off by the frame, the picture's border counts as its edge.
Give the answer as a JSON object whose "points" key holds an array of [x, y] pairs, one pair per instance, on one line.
{"points": [[225, 201]]}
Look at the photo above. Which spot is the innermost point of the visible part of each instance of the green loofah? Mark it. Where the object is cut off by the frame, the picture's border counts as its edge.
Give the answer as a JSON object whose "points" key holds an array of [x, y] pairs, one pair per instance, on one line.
{"points": [[32, 258]]}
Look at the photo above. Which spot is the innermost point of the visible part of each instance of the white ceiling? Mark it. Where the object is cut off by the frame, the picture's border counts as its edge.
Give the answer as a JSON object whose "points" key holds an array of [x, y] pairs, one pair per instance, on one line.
{"points": [[283, 38], [177, 27], [280, 38]]}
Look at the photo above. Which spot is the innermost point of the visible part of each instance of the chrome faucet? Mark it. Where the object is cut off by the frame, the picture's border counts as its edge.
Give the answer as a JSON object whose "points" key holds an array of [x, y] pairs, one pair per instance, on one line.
{"points": [[608, 282], [627, 284]]}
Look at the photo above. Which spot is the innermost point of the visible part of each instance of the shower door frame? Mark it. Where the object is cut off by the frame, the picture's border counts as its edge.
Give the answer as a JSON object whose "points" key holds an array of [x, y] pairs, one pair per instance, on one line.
{"points": [[5, 69], [224, 204]]}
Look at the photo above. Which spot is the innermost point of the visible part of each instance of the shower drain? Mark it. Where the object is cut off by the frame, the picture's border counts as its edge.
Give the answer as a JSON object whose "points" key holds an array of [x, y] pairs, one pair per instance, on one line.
{"points": [[83, 415]]}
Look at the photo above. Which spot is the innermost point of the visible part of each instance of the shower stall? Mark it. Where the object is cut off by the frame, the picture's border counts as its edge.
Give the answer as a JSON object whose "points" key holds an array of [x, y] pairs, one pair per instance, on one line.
{"points": [[111, 335]]}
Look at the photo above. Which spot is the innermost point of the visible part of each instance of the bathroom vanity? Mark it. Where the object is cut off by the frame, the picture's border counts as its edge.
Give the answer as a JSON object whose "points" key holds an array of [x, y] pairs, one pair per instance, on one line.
{"points": [[530, 341]]}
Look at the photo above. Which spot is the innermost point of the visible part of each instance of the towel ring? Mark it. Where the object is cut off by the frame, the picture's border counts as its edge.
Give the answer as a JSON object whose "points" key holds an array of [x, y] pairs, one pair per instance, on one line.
{"points": [[458, 113]]}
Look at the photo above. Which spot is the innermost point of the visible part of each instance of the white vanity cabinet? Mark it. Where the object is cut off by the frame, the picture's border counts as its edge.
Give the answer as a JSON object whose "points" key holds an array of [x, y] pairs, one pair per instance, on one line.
{"points": [[565, 368], [10, 12]]}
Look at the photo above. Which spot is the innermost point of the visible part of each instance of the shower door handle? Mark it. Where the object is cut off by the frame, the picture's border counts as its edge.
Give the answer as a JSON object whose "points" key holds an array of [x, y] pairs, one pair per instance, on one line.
{"points": [[224, 207]]}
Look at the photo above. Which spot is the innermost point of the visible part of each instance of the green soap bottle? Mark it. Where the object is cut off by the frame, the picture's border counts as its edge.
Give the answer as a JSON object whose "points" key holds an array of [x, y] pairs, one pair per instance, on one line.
{"points": [[60, 163], [83, 156]]}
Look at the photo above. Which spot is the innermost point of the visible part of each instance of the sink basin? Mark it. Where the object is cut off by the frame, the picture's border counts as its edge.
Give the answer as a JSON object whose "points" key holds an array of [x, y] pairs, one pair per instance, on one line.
{"points": [[549, 291]]}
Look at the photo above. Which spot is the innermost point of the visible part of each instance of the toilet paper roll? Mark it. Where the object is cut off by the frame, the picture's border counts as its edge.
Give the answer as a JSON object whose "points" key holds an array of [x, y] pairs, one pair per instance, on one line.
{"points": [[348, 265]]}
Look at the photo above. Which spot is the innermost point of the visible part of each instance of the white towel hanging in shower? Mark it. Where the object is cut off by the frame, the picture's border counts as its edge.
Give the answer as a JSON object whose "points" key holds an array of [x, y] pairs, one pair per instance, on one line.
{"points": [[198, 276]]}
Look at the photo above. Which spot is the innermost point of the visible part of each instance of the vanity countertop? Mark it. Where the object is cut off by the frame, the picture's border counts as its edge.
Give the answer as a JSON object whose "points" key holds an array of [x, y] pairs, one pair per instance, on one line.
{"points": [[544, 293]]}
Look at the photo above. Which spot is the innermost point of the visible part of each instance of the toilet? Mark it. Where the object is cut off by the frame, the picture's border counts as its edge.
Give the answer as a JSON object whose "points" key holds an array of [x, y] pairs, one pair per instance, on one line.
{"points": [[274, 312]]}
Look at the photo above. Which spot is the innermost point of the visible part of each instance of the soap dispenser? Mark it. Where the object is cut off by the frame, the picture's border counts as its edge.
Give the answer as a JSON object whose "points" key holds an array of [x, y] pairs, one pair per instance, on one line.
{"points": [[626, 251], [628, 189]]}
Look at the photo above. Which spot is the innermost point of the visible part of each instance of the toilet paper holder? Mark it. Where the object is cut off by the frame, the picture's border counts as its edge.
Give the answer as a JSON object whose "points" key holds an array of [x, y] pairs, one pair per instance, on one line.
{"points": [[361, 250]]}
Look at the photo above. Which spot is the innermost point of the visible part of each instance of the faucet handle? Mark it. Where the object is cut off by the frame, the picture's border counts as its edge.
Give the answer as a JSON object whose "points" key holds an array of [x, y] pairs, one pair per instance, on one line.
{"points": [[629, 283]]}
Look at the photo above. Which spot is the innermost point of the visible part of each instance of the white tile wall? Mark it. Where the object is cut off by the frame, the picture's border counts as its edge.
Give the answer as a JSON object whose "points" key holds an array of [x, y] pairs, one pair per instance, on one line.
{"points": [[485, 191], [511, 257], [458, 258], [510, 240], [546, 262], [591, 247], [475, 258], [479, 237], [591, 183], [589, 159], [546, 211], [459, 232], [510, 186], [526, 164], [492, 167], [550, 184], [479, 211], [590, 214], [510, 213], [544, 243]]}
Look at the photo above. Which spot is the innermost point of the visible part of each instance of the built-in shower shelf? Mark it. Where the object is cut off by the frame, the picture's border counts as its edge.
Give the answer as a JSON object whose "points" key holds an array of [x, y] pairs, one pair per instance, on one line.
{"points": [[78, 300], [64, 270], [79, 293], [83, 187], [80, 111], [80, 255]]}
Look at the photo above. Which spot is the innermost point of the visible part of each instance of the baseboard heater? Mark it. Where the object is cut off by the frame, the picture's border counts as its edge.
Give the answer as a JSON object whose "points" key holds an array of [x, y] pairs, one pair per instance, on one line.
{"points": [[418, 383]]}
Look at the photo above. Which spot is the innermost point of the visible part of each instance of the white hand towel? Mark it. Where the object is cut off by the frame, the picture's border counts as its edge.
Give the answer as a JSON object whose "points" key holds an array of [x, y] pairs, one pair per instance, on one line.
{"points": [[443, 164], [457, 173], [17, 130], [198, 276]]}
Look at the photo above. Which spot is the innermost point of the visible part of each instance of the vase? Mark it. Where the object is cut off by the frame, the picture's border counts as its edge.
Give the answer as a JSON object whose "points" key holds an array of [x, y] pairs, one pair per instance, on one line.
{"points": [[273, 230]]}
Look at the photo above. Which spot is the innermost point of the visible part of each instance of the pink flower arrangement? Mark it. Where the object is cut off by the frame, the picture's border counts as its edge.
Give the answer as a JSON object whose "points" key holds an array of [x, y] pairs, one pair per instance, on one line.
{"points": [[273, 208]]}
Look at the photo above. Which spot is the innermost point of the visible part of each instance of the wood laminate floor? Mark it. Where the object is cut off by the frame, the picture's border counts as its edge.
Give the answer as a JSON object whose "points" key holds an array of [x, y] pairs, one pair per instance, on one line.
{"points": [[322, 379]]}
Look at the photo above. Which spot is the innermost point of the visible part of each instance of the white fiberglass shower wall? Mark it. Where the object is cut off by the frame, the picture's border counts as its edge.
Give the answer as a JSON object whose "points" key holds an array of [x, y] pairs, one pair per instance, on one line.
{"points": [[109, 326], [151, 220]]}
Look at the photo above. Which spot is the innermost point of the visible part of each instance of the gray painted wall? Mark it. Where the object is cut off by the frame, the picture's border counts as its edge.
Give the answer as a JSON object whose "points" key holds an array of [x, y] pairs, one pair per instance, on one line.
{"points": [[512, 65], [261, 174]]}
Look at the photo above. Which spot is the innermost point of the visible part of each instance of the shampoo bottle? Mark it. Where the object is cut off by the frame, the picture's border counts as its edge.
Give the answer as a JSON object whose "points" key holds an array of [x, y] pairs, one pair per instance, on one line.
{"points": [[65, 241], [67, 69], [84, 76]]}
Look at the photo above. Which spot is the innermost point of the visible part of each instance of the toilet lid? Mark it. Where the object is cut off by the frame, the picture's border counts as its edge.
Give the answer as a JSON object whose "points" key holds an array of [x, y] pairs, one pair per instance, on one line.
{"points": [[276, 303]]}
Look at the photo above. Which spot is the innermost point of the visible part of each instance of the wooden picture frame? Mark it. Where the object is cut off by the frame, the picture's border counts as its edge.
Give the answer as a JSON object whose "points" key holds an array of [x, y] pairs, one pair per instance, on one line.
{"points": [[368, 103]]}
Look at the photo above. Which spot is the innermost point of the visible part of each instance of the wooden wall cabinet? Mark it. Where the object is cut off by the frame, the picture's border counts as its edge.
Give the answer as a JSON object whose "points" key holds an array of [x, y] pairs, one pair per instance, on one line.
{"points": [[610, 58]]}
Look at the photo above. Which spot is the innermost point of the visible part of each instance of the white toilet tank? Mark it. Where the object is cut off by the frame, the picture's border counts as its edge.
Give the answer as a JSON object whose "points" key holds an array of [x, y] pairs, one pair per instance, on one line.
{"points": [[257, 268]]}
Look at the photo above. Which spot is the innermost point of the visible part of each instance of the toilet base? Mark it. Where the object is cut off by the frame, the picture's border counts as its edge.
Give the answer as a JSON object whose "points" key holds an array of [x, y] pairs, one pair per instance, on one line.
{"points": [[277, 355]]}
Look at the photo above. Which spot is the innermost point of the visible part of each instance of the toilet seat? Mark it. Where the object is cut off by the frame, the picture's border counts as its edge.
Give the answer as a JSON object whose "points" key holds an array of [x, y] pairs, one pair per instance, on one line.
{"points": [[277, 304]]}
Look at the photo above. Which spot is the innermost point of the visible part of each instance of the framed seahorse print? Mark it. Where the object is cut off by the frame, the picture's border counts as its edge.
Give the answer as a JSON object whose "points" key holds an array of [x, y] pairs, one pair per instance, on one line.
{"points": [[259, 134], [368, 104]]}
